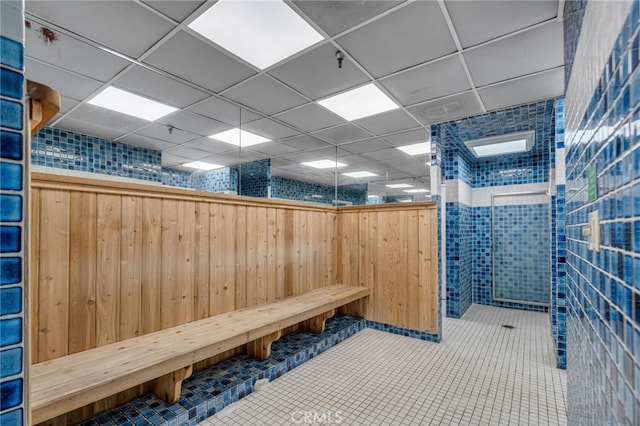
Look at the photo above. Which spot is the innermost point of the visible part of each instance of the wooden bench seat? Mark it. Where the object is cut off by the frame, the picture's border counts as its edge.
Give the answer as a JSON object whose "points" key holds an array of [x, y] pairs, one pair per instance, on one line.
{"points": [[166, 357]]}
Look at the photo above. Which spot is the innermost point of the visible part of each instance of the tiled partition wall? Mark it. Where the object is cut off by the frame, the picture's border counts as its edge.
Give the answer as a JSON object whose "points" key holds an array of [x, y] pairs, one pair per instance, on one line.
{"points": [[61, 149], [470, 182], [13, 203], [603, 174]]}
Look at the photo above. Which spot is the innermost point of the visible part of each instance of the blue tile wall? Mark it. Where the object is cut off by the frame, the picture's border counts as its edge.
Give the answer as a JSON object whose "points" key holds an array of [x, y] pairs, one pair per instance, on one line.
{"points": [[291, 189], [573, 16], [522, 259], [255, 178], [177, 178], [459, 218], [52, 147], [218, 180], [603, 287], [13, 401]]}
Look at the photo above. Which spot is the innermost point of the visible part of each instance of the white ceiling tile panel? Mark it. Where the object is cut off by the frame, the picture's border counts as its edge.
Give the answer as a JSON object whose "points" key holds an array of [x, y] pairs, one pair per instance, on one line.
{"points": [[310, 117], [362, 147], [407, 138], [447, 109], [160, 131], [224, 111], [71, 54], [434, 80], [172, 160], [85, 128], [265, 94], [341, 134], [273, 149], [269, 129], [145, 142], [304, 142], [535, 88], [137, 28], [479, 21], [411, 35], [316, 74], [107, 118], [521, 54], [186, 152], [152, 85], [194, 123], [66, 104], [198, 62], [212, 146], [67, 84], [174, 9], [388, 122]]}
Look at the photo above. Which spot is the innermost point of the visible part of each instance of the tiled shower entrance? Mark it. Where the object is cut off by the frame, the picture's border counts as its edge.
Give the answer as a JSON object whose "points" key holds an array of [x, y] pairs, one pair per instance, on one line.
{"points": [[482, 373]]}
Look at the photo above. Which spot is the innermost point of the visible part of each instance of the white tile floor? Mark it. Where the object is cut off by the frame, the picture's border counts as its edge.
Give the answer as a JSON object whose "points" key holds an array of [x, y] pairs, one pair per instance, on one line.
{"points": [[480, 374]]}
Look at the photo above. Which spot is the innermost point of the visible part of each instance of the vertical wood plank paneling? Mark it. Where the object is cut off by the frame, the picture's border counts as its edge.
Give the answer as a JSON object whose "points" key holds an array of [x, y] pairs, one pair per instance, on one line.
{"points": [[424, 248], [201, 262], [34, 275], [54, 275], [261, 255], [281, 252], [241, 256], [271, 255], [82, 270], [131, 268], [108, 268], [413, 274], [290, 252], [223, 254], [168, 281], [151, 263], [251, 237], [186, 253]]}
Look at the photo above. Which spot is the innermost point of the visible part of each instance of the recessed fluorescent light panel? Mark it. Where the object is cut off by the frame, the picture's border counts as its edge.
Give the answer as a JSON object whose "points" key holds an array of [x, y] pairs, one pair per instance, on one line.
{"points": [[416, 148], [357, 103], [416, 190], [239, 137], [399, 185], [323, 164], [512, 143], [260, 32], [201, 165], [361, 174], [130, 104]]}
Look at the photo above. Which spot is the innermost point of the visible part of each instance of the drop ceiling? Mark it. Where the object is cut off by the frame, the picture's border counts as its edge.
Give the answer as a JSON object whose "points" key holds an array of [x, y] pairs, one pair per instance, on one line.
{"points": [[438, 61]]}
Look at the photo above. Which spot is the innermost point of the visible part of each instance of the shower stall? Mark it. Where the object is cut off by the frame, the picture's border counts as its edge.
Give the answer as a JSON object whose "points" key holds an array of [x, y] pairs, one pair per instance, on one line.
{"points": [[521, 247]]}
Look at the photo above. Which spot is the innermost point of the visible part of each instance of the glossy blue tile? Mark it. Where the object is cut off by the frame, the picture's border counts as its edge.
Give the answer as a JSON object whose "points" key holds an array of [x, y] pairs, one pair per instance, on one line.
{"points": [[11, 114], [11, 53], [11, 83], [10, 331], [10, 239], [10, 145], [12, 418], [10, 300], [10, 394], [10, 208], [10, 362], [10, 176], [10, 270]]}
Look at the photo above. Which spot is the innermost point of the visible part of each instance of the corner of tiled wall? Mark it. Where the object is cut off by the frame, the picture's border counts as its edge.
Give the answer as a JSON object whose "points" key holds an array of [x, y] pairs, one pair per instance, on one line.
{"points": [[13, 209], [436, 178]]}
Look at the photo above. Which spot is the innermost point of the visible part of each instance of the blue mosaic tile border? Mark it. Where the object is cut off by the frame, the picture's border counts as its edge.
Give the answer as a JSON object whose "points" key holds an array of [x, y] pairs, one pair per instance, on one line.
{"points": [[408, 332], [603, 287], [61, 149], [13, 206]]}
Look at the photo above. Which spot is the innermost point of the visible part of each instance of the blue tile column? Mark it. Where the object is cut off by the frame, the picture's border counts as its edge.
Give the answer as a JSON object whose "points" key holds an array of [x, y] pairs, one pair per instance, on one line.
{"points": [[13, 209], [436, 178]]}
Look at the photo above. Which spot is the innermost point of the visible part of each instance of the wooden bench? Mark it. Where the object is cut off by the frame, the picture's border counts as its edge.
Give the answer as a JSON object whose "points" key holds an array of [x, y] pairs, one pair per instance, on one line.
{"points": [[166, 357]]}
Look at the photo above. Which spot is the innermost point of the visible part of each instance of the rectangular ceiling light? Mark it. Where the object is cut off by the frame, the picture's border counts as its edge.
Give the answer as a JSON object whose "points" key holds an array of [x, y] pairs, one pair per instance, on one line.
{"points": [[323, 164], [511, 143], [239, 137], [357, 103], [414, 191], [361, 174], [130, 104], [260, 32], [201, 165], [416, 148], [399, 185]]}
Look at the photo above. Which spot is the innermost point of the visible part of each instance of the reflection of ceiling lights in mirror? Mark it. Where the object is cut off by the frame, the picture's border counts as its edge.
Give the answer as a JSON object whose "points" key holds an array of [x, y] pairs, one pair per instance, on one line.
{"points": [[511, 143], [260, 32], [416, 190], [323, 164], [399, 185], [416, 148], [239, 137], [361, 174], [201, 165], [373, 196], [130, 104], [358, 103]]}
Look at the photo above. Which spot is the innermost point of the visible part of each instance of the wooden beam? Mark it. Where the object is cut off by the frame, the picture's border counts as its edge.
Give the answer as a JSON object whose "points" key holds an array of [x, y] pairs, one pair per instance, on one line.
{"points": [[261, 348], [316, 324], [169, 386]]}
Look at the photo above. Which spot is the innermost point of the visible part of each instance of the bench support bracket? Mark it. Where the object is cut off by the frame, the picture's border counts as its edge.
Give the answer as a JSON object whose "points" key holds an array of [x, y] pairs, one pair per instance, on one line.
{"points": [[261, 348], [168, 387], [316, 324]]}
